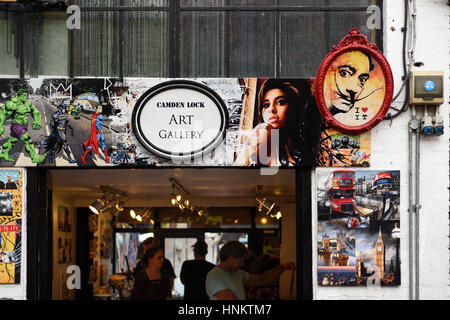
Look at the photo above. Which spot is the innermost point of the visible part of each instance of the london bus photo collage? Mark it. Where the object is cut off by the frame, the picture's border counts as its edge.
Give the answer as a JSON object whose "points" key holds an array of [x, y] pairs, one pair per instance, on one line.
{"points": [[358, 235]]}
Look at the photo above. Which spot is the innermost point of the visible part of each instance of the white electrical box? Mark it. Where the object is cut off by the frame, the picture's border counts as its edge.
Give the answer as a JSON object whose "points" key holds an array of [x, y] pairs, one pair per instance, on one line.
{"points": [[426, 88]]}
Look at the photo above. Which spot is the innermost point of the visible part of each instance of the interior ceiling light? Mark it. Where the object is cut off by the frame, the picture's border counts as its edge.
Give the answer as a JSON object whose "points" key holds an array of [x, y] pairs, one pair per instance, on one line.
{"points": [[180, 197], [173, 201], [139, 218], [105, 207], [115, 211], [264, 205], [119, 205], [278, 214], [146, 215], [133, 214], [96, 206], [112, 199]]}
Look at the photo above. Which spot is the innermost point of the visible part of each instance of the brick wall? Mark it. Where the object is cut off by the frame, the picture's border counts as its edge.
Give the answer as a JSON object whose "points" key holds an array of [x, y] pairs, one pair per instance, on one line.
{"points": [[390, 151]]}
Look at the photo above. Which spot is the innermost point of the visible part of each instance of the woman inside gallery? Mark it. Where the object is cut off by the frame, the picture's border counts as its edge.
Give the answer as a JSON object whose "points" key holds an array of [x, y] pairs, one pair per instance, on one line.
{"points": [[153, 282]]}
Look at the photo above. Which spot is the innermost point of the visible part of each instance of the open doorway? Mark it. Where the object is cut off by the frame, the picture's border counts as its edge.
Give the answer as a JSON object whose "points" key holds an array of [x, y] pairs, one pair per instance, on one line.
{"points": [[221, 206]]}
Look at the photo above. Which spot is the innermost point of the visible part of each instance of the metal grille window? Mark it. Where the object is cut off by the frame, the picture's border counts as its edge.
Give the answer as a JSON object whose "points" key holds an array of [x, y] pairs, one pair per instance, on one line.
{"points": [[181, 38], [264, 38], [9, 44]]}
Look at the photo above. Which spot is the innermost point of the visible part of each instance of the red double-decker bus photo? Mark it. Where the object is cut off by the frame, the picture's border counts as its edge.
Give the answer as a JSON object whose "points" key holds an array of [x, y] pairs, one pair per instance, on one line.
{"points": [[340, 186]]}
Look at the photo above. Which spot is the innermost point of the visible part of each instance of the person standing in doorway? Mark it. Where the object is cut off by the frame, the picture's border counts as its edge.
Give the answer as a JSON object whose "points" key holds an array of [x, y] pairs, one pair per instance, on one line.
{"points": [[193, 273], [167, 265], [227, 281], [152, 282]]}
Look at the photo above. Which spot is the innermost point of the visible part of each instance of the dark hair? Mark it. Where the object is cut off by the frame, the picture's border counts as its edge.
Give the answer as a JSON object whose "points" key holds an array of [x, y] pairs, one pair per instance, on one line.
{"points": [[371, 65], [201, 248], [151, 241], [233, 249], [150, 253], [292, 94], [302, 130]]}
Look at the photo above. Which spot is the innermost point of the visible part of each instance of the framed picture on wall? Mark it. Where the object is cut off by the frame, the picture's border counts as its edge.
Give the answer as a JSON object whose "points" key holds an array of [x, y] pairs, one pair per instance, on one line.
{"points": [[11, 206], [64, 219], [354, 85]]}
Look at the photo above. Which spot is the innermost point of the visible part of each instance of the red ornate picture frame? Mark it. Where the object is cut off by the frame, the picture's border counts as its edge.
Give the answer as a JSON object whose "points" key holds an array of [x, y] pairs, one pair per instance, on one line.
{"points": [[354, 85]]}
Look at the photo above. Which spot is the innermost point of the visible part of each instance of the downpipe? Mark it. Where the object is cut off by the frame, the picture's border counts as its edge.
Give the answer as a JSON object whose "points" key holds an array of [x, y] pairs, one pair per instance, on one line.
{"points": [[414, 127], [417, 209]]}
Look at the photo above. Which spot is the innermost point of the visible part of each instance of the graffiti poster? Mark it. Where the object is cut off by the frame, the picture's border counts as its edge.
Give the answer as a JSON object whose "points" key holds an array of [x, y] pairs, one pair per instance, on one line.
{"points": [[11, 195], [356, 71], [358, 235], [162, 122]]}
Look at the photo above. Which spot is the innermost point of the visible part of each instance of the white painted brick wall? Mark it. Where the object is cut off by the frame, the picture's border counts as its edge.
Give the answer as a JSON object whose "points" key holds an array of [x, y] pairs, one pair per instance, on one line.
{"points": [[390, 151]]}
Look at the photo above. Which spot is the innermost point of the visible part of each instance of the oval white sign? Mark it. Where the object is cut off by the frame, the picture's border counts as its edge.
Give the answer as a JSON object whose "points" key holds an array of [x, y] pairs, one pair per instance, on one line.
{"points": [[180, 119]]}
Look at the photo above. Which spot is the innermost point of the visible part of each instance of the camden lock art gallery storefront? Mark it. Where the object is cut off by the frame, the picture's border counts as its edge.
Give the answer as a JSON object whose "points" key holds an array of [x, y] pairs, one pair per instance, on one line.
{"points": [[188, 148], [201, 159]]}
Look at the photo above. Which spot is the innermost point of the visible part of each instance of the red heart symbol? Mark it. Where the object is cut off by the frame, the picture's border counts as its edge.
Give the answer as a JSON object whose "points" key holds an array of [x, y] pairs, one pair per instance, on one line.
{"points": [[365, 109]]}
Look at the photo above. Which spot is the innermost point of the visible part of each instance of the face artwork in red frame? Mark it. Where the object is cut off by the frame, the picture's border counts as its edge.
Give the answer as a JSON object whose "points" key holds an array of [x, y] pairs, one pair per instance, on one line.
{"points": [[354, 85]]}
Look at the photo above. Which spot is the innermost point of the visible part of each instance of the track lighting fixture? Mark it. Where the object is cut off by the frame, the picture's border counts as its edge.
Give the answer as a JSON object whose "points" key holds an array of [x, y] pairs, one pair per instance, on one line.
{"points": [[277, 213], [96, 206], [112, 200], [180, 197], [119, 206], [264, 205]]}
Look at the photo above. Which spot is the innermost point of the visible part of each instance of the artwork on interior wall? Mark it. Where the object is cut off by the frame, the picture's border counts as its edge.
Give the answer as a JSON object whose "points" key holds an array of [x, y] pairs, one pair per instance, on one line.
{"points": [[106, 237], [11, 195], [354, 85], [64, 250], [160, 122], [64, 292], [64, 219], [358, 229], [60, 251], [93, 247]]}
